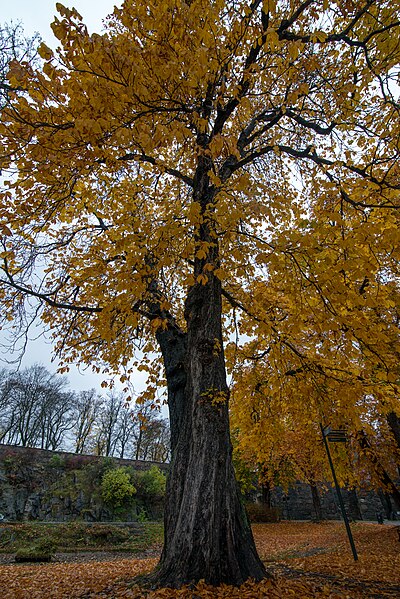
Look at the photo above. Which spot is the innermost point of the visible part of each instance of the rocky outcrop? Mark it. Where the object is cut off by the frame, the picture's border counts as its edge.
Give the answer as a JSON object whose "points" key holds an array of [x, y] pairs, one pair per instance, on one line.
{"points": [[46, 485]]}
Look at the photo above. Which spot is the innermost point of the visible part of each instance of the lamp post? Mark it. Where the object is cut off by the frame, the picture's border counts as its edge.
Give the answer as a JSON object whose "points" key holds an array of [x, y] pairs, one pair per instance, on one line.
{"points": [[338, 436]]}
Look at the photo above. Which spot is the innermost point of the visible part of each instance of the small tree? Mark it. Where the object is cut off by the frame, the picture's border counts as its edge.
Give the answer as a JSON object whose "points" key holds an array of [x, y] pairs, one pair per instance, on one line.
{"points": [[116, 488], [86, 408]]}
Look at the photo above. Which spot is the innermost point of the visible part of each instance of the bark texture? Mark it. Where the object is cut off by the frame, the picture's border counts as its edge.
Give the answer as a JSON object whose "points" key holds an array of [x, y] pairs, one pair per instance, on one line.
{"points": [[173, 345], [207, 534], [386, 504], [266, 494], [316, 499], [394, 424]]}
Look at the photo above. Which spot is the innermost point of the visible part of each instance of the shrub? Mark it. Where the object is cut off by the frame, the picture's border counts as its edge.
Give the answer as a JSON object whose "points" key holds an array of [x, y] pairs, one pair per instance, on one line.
{"points": [[142, 516], [150, 483], [56, 461], [101, 534], [116, 488], [13, 461], [259, 512], [39, 552]]}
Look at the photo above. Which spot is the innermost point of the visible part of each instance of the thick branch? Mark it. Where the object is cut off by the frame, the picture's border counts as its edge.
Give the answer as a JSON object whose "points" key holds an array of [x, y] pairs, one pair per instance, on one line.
{"points": [[171, 171], [47, 297], [309, 124]]}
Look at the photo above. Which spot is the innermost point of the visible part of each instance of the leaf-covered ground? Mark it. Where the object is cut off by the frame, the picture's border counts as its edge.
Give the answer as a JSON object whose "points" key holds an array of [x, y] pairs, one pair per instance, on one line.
{"points": [[307, 560]]}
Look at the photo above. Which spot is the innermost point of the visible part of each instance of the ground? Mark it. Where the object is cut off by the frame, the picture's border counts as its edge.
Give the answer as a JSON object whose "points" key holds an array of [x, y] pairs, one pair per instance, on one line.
{"points": [[307, 560]]}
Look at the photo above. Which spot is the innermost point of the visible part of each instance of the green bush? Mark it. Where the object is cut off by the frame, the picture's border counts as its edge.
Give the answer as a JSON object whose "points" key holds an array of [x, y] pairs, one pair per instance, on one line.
{"points": [[56, 461], [142, 516], [150, 483], [41, 551], [116, 488]]}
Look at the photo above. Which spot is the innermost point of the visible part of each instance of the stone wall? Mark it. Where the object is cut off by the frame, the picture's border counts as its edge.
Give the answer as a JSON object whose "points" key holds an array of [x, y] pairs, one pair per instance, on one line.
{"points": [[297, 503], [37, 484]]}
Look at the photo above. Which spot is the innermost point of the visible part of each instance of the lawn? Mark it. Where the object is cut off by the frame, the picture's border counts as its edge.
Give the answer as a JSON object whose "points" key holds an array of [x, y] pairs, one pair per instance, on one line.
{"points": [[81, 537], [306, 560]]}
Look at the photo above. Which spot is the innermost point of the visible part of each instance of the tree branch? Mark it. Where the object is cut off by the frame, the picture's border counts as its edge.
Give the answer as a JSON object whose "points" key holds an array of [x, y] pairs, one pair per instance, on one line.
{"points": [[171, 171], [46, 297]]}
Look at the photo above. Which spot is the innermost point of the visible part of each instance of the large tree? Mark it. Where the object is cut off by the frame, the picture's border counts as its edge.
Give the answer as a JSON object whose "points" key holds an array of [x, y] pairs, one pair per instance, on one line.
{"points": [[151, 165]]}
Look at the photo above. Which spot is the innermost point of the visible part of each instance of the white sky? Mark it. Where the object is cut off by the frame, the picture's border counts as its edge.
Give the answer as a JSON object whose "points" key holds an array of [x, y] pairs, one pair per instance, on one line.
{"points": [[36, 16]]}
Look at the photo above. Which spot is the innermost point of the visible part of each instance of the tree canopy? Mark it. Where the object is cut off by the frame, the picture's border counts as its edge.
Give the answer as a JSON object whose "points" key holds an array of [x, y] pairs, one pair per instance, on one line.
{"points": [[125, 115], [204, 168]]}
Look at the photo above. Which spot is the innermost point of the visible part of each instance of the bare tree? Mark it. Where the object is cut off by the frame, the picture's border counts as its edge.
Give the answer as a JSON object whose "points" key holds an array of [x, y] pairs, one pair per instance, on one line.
{"points": [[118, 430], [154, 441], [36, 408], [108, 425], [151, 434], [87, 407], [55, 418], [6, 420], [126, 431]]}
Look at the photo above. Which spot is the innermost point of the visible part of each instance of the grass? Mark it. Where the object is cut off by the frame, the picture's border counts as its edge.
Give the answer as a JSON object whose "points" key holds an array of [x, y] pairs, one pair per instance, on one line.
{"points": [[81, 536]]}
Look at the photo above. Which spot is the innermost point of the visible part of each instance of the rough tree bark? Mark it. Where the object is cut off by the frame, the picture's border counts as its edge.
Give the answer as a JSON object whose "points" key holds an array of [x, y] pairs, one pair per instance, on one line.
{"points": [[316, 499], [394, 425], [266, 494], [386, 504], [207, 533], [354, 506]]}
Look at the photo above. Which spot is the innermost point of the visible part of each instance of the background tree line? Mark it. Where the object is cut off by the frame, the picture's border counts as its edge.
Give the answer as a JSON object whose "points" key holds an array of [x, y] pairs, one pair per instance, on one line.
{"points": [[37, 409]]}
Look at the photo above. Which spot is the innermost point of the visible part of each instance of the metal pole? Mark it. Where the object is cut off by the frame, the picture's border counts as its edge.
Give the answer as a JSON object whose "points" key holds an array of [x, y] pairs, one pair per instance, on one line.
{"points": [[339, 494]]}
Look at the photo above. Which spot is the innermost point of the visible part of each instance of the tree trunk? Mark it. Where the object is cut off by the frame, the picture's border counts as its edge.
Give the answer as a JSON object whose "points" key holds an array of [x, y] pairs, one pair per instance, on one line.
{"points": [[316, 499], [394, 425], [207, 533], [386, 504], [354, 506], [266, 494], [383, 476], [173, 345]]}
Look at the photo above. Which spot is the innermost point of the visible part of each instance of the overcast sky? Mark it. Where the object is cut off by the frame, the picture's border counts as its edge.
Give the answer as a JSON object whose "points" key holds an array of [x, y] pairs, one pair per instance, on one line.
{"points": [[36, 16]]}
